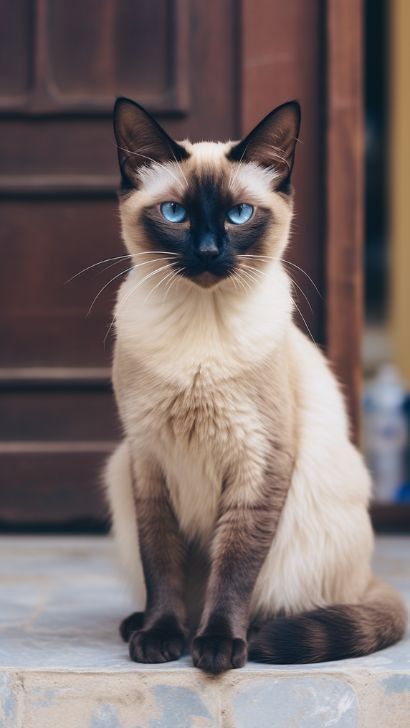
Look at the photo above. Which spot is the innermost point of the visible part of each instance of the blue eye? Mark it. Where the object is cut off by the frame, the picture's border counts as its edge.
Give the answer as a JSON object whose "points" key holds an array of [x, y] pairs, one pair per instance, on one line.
{"points": [[173, 212], [240, 213]]}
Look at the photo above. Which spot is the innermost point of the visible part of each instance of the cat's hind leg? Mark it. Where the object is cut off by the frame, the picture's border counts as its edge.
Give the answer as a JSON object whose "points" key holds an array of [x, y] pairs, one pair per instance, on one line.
{"points": [[118, 484]]}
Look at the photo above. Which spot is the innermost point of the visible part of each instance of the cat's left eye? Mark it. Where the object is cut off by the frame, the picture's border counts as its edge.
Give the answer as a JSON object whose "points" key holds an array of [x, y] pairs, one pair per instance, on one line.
{"points": [[240, 213], [173, 212]]}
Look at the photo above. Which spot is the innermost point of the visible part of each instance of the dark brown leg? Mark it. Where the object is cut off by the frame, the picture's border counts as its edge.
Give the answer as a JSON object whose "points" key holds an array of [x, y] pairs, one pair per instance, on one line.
{"points": [[162, 635], [244, 534]]}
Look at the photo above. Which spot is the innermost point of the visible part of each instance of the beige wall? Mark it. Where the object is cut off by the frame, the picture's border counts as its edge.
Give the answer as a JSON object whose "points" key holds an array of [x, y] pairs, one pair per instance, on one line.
{"points": [[400, 183]]}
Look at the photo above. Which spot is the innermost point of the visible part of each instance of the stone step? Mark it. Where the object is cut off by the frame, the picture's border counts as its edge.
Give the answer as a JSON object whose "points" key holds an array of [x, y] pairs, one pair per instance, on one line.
{"points": [[63, 665]]}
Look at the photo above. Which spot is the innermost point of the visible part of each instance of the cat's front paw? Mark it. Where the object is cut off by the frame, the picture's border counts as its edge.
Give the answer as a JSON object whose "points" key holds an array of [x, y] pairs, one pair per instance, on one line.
{"points": [[130, 624], [217, 653], [162, 642]]}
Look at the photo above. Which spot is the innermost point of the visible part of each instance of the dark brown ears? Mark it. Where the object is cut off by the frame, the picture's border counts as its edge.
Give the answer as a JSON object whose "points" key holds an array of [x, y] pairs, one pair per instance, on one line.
{"points": [[141, 141], [272, 143]]}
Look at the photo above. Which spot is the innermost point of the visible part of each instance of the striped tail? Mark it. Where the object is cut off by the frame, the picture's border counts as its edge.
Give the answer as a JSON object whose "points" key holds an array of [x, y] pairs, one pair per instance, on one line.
{"points": [[332, 633]]}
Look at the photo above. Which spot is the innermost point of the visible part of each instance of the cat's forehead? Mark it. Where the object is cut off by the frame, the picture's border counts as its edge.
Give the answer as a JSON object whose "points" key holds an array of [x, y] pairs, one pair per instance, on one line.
{"points": [[207, 165]]}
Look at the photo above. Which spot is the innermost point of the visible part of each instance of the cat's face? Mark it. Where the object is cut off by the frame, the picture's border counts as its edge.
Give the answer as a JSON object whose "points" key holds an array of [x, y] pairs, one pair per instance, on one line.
{"points": [[213, 210]]}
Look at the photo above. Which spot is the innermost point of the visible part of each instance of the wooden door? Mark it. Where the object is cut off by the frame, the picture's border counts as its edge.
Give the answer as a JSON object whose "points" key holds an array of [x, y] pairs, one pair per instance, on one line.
{"points": [[206, 70]]}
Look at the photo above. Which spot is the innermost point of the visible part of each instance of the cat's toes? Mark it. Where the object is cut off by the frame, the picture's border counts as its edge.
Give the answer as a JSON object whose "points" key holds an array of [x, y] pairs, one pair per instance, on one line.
{"points": [[156, 645], [131, 624], [216, 653]]}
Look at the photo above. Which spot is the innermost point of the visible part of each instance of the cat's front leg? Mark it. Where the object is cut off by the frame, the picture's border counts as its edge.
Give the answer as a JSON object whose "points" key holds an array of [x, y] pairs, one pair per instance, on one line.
{"points": [[244, 534], [163, 632]]}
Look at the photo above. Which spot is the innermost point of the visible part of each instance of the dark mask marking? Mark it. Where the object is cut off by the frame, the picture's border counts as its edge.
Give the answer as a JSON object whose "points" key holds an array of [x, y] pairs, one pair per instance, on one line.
{"points": [[207, 243]]}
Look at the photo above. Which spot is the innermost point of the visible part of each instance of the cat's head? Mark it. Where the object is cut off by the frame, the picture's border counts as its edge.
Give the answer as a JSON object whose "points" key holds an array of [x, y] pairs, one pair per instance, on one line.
{"points": [[213, 210]]}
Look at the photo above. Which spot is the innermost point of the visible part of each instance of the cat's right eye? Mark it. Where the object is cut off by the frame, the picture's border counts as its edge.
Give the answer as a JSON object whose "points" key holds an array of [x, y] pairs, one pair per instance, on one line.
{"points": [[173, 212]]}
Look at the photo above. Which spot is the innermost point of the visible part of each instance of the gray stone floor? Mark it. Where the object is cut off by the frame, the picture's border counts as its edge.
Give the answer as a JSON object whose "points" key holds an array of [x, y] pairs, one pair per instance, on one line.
{"points": [[63, 665]]}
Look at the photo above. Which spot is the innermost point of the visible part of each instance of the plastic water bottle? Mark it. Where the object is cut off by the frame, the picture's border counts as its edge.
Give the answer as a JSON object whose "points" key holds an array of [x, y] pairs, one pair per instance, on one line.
{"points": [[385, 433]]}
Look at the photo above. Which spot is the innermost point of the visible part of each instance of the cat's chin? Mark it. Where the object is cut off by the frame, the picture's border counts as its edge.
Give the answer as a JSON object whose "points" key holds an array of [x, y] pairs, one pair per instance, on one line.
{"points": [[207, 279]]}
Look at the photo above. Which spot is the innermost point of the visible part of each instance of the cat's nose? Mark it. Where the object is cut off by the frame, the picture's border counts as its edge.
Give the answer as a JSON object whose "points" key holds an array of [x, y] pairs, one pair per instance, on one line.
{"points": [[207, 248]]}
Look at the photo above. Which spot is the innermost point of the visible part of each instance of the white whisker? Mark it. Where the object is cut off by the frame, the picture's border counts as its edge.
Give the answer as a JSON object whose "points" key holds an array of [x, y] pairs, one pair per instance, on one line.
{"points": [[261, 272], [100, 262], [140, 265], [283, 260], [304, 273], [255, 270], [239, 277], [304, 321], [157, 285], [231, 277], [247, 274], [295, 283], [133, 267], [122, 273], [268, 257], [147, 277], [250, 276], [130, 293], [171, 282], [240, 281], [120, 257]]}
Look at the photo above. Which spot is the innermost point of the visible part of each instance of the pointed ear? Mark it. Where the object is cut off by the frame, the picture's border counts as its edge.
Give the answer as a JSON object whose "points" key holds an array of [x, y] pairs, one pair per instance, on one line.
{"points": [[272, 143], [141, 141]]}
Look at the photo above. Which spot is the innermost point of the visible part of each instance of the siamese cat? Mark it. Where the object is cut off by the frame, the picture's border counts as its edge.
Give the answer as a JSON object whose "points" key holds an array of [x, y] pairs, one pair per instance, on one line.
{"points": [[238, 501]]}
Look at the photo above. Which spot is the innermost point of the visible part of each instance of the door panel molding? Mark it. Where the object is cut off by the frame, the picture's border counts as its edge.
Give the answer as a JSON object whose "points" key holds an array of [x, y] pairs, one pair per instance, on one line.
{"points": [[103, 59]]}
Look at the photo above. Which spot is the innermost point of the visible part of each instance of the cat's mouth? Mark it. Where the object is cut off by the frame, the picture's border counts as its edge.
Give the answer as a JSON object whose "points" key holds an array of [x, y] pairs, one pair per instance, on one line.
{"points": [[206, 277], [207, 272]]}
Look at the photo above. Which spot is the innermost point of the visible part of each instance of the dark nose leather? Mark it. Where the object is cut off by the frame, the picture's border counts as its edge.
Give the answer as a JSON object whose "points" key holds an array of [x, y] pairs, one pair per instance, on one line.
{"points": [[207, 248]]}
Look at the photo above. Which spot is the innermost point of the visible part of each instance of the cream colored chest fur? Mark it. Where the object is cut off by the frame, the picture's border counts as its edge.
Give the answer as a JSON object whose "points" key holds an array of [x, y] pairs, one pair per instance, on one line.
{"points": [[199, 433]]}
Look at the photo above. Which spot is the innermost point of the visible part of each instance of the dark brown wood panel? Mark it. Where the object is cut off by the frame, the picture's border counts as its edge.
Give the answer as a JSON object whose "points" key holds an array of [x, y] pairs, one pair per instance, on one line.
{"points": [[282, 60], [114, 47], [15, 50], [73, 415], [44, 485], [43, 319], [344, 198], [31, 149], [65, 63]]}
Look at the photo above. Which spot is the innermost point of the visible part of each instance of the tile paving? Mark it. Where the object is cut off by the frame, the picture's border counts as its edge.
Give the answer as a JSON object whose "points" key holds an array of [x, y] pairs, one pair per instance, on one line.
{"points": [[63, 665]]}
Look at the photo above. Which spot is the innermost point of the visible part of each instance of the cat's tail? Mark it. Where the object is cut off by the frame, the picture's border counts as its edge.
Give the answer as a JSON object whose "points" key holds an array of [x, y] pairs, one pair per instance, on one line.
{"points": [[332, 633]]}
